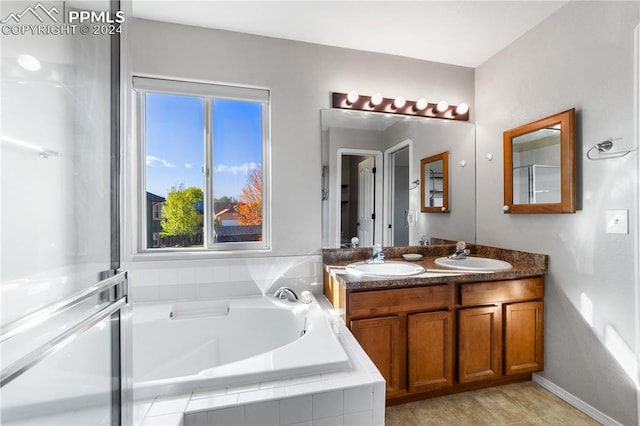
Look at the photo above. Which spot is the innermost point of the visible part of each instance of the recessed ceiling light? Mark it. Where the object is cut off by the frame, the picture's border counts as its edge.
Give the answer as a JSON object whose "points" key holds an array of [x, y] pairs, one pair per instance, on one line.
{"points": [[28, 62]]}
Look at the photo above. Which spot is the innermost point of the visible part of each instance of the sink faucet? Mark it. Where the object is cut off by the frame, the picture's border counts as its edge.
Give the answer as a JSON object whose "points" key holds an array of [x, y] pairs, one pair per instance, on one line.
{"points": [[461, 251], [377, 256], [286, 293]]}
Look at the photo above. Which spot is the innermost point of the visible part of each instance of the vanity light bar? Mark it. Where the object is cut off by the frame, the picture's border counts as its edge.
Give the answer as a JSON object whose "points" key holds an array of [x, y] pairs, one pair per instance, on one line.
{"points": [[399, 105]]}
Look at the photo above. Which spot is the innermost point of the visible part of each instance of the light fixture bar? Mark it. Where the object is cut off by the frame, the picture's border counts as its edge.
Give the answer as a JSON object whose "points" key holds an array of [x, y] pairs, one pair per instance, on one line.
{"points": [[393, 106]]}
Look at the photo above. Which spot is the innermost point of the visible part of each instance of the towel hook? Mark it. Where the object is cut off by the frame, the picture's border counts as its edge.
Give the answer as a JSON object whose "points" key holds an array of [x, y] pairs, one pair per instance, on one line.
{"points": [[603, 149]]}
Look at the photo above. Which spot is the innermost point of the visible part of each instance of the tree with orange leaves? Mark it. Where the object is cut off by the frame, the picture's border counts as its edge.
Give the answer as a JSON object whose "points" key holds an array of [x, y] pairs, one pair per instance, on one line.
{"points": [[249, 207]]}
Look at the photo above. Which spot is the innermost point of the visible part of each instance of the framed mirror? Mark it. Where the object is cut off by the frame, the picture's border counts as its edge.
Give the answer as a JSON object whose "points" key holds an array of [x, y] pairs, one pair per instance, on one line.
{"points": [[539, 166], [397, 144], [434, 183]]}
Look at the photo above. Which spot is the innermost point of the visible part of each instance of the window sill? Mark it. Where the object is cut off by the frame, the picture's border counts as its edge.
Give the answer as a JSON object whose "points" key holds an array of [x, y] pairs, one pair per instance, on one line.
{"points": [[177, 254]]}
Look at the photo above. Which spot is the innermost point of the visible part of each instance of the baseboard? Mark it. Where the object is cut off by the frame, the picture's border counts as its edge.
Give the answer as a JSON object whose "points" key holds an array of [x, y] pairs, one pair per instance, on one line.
{"points": [[574, 401]]}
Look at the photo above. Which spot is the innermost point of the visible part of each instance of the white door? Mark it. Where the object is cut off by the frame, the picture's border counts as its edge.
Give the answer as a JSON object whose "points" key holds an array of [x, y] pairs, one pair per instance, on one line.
{"points": [[366, 201]]}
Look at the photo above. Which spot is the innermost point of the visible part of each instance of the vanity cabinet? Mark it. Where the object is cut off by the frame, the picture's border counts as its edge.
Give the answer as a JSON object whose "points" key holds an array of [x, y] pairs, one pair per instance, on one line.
{"points": [[381, 338], [407, 333], [500, 322], [524, 337], [430, 345], [479, 343], [437, 339]]}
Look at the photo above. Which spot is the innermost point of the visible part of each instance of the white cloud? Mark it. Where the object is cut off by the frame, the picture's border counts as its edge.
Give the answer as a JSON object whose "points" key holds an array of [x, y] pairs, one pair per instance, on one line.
{"points": [[153, 161], [236, 170], [188, 166]]}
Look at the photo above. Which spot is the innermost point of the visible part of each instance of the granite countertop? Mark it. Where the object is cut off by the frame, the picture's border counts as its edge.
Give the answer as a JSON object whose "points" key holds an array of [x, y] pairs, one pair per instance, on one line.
{"points": [[524, 265]]}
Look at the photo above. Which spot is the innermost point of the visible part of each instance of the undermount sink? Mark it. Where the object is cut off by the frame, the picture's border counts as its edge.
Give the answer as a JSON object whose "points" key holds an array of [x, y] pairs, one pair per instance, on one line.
{"points": [[386, 269], [474, 264]]}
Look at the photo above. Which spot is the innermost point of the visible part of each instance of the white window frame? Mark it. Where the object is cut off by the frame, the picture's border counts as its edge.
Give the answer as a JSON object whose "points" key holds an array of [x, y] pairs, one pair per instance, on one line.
{"points": [[207, 91]]}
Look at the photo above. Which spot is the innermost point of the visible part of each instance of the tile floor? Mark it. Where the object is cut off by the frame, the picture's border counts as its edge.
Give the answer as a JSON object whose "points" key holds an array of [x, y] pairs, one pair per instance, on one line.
{"points": [[524, 403]]}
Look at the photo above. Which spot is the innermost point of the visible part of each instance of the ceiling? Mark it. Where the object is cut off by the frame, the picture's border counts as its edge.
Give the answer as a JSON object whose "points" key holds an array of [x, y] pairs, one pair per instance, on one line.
{"points": [[465, 33]]}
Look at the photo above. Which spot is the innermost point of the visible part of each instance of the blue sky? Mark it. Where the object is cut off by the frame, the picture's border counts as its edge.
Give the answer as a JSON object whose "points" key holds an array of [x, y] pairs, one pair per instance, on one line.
{"points": [[175, 152]]}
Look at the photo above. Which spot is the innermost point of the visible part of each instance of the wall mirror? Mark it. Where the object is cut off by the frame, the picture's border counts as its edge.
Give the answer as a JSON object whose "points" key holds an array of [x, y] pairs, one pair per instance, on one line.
{"points": [[539, 166], [385, 207], [434, 183]]}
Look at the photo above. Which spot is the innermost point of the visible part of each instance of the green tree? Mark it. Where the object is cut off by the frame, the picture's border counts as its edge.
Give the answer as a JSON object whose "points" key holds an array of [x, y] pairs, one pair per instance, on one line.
{"points": [[225, 199], [180, 216]]}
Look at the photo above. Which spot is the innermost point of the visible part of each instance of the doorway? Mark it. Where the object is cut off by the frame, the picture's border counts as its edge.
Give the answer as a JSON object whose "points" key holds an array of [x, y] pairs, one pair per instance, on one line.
{"points": [[359, 197], [397, 221]]}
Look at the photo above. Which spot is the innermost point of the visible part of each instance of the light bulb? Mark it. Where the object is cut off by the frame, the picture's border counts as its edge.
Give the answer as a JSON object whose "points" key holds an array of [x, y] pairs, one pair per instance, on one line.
{"points": [[399, 102], [442, 106], [376, 99], [421, 104], [352, 97], [462, 109]]}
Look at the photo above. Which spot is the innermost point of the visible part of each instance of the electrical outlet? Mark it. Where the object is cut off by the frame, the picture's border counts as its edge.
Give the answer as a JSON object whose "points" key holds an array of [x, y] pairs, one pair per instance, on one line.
{"points": [[617, 221]]}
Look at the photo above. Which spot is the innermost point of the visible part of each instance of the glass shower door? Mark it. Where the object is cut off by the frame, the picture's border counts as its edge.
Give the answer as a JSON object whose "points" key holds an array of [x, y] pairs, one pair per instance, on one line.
{"points": [[62, 294]]}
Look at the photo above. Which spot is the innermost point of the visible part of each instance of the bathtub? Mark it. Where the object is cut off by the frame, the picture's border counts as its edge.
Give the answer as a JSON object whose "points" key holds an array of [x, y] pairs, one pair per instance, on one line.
{"points": [[190, 346]]}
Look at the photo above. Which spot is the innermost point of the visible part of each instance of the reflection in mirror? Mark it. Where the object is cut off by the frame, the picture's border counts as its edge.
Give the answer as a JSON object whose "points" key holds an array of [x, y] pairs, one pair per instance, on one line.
{"points": [[357, 205], [435, 183], [536, 167], [539, 166], [396, 144]]}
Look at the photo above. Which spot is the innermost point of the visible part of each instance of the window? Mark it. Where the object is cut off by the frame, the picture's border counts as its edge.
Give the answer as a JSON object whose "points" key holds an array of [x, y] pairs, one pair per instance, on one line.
{"points": [[157, 211], [204, 165]]}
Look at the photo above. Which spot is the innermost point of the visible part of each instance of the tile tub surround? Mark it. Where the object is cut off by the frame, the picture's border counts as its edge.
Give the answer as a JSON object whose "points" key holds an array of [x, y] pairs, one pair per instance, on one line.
{"points": [[524, 265], [353, 396], [179, 280]]}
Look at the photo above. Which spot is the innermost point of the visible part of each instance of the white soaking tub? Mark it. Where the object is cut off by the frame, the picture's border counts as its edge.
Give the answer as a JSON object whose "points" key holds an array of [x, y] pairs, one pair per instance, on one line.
{"points": [[190, 346]]}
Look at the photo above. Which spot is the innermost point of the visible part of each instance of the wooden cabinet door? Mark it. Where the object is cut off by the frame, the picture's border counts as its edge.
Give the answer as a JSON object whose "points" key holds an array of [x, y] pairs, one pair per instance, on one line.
{"points": [[524, 337], [430, 341], [479, 343], [381, 340]]}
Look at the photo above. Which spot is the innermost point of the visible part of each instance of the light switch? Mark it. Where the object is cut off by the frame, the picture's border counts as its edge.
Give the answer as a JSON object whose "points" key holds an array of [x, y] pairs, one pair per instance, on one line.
{"points": [[617, 221], [411, 217]]}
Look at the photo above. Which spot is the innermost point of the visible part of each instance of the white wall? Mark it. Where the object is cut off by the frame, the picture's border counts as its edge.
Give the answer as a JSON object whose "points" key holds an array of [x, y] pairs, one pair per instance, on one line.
{"points": [[582, 57], [431, 138], [301, 77]]}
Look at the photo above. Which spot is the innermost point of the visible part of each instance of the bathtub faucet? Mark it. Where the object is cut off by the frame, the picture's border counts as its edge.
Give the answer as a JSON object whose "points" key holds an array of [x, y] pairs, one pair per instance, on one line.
{"points": [[286, 293]]}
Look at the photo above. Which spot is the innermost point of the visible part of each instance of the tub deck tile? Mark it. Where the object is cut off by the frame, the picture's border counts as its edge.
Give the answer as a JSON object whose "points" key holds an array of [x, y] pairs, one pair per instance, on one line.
{"points": [[209, 393], [275, 383], [212, 403], [262, 395], [169, 405]]}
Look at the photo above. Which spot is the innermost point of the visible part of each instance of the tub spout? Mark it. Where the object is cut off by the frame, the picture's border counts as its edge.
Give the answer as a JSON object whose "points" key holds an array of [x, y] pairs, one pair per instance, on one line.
{"points": [[286, 293]]}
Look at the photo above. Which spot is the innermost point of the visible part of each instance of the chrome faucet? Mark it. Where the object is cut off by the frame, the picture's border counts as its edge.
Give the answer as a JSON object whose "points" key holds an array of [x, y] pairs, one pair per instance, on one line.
{"points": [[461, 251], [286, 293], [377, 256]]}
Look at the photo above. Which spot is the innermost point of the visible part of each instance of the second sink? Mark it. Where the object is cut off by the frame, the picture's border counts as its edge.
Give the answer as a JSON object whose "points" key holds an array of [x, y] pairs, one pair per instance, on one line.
{"points": [[474, 264], [386, 269]]}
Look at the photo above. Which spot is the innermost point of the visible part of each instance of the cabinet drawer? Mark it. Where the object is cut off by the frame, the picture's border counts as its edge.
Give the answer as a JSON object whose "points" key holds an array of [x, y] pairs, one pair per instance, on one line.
{"points": [[501, 291], [380, 302]]}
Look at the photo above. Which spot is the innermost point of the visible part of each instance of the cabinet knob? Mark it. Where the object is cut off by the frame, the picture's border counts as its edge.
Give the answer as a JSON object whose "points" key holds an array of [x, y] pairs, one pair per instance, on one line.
{"points": [[444, 209], [505, 208]]}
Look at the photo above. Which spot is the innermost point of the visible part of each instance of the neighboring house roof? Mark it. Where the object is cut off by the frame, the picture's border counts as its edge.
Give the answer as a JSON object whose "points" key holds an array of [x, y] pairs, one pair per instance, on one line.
{"points": [[226, 209], [227, 214], [155, 198]]}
